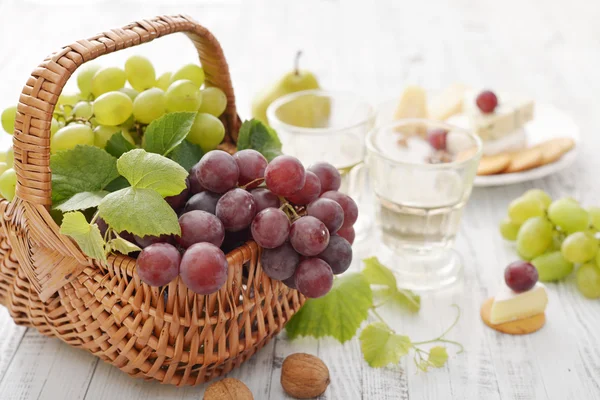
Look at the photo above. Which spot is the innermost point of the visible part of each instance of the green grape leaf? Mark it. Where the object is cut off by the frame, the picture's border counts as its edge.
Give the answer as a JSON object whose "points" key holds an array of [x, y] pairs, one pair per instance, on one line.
{"points": [[167, 132], [402, 297], [258, 136], [186, 154], [339, 313], [146, 170], [121, 245], [117, 184], [81, 201], [378, 274], [87, 236], [117, 145], [81, 169], [381, 346], [437, 356], [140, 211]]}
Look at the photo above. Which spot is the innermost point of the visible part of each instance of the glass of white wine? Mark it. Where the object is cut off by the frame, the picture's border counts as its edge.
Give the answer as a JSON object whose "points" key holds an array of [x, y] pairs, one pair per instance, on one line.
{"points": [[422, 174], [318, 125]]}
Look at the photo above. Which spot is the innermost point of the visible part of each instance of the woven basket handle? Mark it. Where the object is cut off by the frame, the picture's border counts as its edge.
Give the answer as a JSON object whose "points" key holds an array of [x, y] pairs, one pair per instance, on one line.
{"points": [[31, 140]]}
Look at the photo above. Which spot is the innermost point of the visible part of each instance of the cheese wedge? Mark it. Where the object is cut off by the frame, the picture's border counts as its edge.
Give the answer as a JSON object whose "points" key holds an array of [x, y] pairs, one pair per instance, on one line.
{"points": [[412, 104], [511, 306], [448, 103]]}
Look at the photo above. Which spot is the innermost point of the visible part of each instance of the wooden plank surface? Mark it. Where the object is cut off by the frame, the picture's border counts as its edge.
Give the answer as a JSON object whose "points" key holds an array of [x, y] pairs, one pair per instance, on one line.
{"points": [[546, 48]]}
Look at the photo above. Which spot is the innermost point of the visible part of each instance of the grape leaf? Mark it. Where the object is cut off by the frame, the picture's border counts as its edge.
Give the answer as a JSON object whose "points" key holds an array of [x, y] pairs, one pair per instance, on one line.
{"points": [[437, 356], [339, 313], [402, 297], [140, 211], [381, 346], [168, 131], [81, 169], [256, 135], [152, 171], [87, 236], [378, 274], [81, 201], [121, 245], [117, 145], [187, 154], [117, 184]]}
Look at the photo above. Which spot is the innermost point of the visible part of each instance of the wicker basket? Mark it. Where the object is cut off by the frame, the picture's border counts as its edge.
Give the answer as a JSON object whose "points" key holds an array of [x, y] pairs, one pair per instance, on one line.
{"points": [[173, 336]]}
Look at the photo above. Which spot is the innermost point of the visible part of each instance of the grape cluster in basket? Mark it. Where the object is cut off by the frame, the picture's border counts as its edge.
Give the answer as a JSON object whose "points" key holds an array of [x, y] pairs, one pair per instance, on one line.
{"points": [[297, 216]]}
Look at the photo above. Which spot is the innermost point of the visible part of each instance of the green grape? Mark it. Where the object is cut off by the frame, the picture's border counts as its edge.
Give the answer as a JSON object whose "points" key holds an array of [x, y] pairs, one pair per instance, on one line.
{"points": [[128, 137], [132, 93], [149, 105], [140, 73], [83, 109], [594, 213], [552, 266], [3, 167], [568, 216], [127, 125], [8, 183], [84, 79], [523, 208], [191, 72], [207, 132], [588, 280], [183, 95], [112, 108], [8, 119], [540, 195], [509, 230], [54, 126], [579, 247], [108, 80], [164, 81], [10, 157], [69, 99], [214, 101], [103, 133], [534, 237], [70, 136]]}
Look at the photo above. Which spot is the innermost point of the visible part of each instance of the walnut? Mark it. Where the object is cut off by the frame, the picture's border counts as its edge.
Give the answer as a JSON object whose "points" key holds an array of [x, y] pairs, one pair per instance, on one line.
{"points": [[228, 389], [304, 376]]}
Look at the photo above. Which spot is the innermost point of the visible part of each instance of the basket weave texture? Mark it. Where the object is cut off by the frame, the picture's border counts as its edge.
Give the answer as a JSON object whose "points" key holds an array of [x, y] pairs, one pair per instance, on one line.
{"points": [[168, 334]]}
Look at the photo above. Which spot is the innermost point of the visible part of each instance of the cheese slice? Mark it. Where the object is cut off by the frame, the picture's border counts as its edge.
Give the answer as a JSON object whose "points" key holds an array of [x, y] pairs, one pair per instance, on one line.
{"points": [[448, 103], [412, 104], [511, 306]]}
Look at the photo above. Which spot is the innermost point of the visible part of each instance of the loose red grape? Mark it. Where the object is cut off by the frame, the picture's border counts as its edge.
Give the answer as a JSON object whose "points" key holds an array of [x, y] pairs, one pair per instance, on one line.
{"points": [[313, 278], [487, 101], [217, 171], [329, 212], [348, 205], [203, 201], [252, 166], [236, 209], [280, 263], [270, 228], [158, 264], [520, 276], [264, 199], [328, 175], [347, 233], [437, 138], [338, 254], [150, 240], [195, 186], [309, 236], [285, 175], [200, 226], [309, 192], [203, 268], [178, 201]]}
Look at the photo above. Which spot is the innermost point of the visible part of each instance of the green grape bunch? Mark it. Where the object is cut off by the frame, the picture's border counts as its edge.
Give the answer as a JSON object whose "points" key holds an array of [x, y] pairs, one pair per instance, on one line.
{"points": [[557, 237]]}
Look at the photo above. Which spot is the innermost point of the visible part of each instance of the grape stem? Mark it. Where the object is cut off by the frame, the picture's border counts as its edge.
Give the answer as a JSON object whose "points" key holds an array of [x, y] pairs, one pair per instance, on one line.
{"points": [[257, 180], [297, 63]]}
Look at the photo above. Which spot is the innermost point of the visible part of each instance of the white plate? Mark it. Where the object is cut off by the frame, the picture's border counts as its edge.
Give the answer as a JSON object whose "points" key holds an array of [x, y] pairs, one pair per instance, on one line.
{"points": [[549, 122]]}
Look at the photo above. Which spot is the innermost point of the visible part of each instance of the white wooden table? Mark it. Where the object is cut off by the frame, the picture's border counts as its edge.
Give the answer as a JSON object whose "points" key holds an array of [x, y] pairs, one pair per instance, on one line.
{"points": [[547, 48]]}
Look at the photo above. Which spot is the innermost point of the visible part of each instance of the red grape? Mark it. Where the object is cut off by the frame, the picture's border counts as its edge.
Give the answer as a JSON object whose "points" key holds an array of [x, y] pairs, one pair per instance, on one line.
{"points": [[285, 175], [149, 240], [290, 282], [309, 236], [338, 254], [348, 205], [158, 264], [270, 228], [217, 171], [233, 240], [347, 233], [327, 211], [437, 138], [200, 226], [264, 199], [309, 192], [487, 101], [328, 175], [520, 276], [195, 186], [236, 209], [252, 166], [203, 201], [203, 268], [102, 225], [313, 278], [178, 201], [280, 263]]}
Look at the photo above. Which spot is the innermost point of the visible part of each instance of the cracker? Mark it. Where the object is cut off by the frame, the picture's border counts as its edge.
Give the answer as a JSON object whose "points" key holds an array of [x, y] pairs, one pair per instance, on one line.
{"points": [[519, 327], [495, 164], [553, 149], [524, 160]]}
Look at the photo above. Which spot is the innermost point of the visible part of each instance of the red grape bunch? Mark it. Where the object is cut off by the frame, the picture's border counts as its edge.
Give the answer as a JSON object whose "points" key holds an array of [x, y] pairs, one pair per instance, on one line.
{"points": [[303, 224]]}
